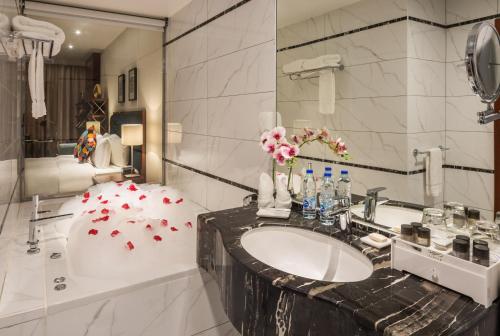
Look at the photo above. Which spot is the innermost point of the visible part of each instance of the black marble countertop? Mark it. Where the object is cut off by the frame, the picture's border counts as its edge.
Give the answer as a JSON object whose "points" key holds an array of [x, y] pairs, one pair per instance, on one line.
{"points": [[389, 302]]}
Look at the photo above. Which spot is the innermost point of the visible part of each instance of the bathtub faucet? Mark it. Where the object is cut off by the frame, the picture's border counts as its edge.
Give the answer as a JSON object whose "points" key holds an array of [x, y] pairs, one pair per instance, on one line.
{"points": [[36, 220]]}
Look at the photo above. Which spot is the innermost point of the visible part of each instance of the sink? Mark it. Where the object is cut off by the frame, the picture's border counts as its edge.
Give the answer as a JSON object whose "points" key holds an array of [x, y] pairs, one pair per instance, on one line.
{"points": [[390, 216], [307, 254]]}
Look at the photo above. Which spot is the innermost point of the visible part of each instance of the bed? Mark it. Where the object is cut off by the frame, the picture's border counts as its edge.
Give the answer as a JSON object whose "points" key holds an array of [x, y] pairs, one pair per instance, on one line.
{"points": [[63, 175]]}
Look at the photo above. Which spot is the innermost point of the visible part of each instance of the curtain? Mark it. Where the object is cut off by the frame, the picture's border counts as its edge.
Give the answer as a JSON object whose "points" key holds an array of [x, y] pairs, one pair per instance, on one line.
{"points": [[65, 94]]}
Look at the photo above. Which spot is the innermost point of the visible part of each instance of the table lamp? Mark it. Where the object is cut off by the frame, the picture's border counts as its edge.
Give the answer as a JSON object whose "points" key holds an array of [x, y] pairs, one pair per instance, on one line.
{"points": [[132, 136]]}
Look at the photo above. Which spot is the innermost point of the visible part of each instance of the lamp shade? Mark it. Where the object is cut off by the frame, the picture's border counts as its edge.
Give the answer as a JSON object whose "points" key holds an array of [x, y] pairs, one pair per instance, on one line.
{"points": [[132, 134]]}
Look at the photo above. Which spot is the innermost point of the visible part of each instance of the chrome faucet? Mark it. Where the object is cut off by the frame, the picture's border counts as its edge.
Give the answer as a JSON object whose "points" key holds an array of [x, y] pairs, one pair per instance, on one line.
{"points": [[371, 200], [36, 220]]}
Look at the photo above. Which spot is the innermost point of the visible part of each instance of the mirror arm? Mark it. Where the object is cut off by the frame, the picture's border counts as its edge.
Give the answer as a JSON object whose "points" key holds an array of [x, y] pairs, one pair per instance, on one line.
{"points": [[485, 117]]}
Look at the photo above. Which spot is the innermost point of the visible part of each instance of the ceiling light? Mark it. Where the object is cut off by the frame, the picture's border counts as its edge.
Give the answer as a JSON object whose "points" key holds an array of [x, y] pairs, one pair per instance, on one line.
{"points": [[78, 32], [70, 46]]}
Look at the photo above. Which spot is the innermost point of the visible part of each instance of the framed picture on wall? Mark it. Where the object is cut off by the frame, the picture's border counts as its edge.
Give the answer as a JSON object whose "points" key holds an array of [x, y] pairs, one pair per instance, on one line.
{"points": [[132, 84], [121, 88]]}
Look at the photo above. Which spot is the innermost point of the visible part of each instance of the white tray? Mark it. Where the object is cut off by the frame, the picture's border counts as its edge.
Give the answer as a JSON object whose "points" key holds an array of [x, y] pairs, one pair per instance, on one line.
{"points": [[479, 282]]}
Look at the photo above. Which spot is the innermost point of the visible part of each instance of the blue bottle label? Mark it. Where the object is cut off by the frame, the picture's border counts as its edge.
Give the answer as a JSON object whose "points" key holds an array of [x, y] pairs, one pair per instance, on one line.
{"points": [[309, 203]]}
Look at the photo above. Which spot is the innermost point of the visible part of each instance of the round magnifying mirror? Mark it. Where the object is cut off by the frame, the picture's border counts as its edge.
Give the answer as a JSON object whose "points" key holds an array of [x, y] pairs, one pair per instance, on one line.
{"points": [[482, 59]]}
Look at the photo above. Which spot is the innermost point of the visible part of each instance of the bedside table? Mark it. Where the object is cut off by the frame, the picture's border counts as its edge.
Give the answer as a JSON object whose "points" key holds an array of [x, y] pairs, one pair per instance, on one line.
{"points": [[117, 177]]}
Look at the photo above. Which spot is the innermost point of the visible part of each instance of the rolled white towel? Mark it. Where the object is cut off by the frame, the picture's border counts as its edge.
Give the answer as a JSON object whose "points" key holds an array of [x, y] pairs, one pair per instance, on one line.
{"points": [[40, 30], [283, 198], [322, 61], [293, 67], [266, 190]]}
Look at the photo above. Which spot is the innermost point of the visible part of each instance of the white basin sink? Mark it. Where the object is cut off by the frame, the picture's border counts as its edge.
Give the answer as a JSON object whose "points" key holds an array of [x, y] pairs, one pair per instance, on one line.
{"points": [[307, 254], [390, 216]]}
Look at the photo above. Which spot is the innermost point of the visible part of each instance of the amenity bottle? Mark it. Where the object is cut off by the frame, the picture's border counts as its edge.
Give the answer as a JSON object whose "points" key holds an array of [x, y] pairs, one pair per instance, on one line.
{"points": [[309, 192], [344, 185], [326, 199]]}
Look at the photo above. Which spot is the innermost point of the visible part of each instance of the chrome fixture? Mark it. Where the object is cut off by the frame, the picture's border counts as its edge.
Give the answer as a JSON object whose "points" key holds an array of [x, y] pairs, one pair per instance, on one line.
{"points": [[371, 201], [36, 220], [59, 280], [482, 60], [60, 287], [417, 152], [343, 217]]}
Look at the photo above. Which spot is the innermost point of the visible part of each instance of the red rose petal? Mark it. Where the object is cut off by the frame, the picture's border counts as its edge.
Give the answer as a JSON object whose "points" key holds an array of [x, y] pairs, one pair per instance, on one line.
{"points": [[91, 211], [157, 238], [131, 222], [164, 222], [105, 202], [85, 200], [125, 206], [93, 232], [105, 218], [119, 184], [166, 200], [86, 194], [179, 201], [142, 197], [105, 211], [149, 227], [115, 233], [99, 197], [173, 228], [130, 246], [116, 195], [132, 187], [189, 225]]}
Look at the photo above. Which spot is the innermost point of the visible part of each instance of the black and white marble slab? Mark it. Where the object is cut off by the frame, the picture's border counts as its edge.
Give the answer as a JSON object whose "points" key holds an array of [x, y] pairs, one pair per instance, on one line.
{"points": [[263, 301]]}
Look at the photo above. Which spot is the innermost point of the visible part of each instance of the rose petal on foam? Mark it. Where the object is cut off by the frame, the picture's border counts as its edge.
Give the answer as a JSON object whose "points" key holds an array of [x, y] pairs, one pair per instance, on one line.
{"points": [[105, 202], [130, 246], [86, 194], [149, 227], [91, 211], [119, 184], [131, 222], [164, 222], [104, 211], [142, 197], [125, 206], [115, 233], [173, 228], [179, 201], [116, 195], [157, 238], [85, 200], [93, 232], [132, 187], [166, 200], [99, 197], [189, 225]]}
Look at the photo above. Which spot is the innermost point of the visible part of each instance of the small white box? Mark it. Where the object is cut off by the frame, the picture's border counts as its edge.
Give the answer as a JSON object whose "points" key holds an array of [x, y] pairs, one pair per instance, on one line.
{"points": [[479, 282]]}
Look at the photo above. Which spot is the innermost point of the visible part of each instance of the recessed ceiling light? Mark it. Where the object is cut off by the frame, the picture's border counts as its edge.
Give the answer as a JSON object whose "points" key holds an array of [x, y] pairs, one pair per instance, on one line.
{"points": [[78, 32], [70, 46]]}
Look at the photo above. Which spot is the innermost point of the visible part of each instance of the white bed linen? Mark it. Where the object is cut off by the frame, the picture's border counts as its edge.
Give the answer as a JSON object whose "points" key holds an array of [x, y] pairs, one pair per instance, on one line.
{"points": [[63, 174]]}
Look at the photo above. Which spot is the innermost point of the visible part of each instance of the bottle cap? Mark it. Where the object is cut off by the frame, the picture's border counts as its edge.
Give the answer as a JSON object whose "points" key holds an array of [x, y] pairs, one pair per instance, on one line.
{"points": [[460, 245], [474, 214], [423, 232], [479, 242], [416, 225], [481, 252], [328, 168], [327, 174], [309, 171], [406, 229], [463, 237], [344, 172]]}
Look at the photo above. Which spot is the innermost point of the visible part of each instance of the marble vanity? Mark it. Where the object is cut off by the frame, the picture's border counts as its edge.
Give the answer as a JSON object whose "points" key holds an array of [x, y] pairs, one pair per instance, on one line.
{"points": [[261, 300]]}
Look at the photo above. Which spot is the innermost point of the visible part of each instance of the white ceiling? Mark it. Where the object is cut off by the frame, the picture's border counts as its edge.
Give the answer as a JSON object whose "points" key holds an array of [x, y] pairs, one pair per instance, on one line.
{"points": [[95, 37], [152, 8], [293, 11]]}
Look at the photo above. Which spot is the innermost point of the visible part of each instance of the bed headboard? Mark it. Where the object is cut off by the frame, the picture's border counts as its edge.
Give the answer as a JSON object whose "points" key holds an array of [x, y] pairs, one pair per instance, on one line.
{"points": [[131, 117]]}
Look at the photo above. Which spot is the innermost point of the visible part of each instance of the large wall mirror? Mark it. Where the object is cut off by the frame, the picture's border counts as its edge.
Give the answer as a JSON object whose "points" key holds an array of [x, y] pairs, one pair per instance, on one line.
{"points": [[399, 95]]}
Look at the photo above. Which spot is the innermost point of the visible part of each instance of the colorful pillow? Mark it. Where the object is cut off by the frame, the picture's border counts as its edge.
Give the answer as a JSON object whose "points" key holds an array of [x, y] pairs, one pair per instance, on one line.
{"points": [[86, 145]]}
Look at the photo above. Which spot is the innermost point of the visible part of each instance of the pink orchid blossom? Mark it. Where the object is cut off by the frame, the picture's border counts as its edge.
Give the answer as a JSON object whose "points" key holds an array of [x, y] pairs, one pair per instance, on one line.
{"points": [[290, 151], [278, 133]]}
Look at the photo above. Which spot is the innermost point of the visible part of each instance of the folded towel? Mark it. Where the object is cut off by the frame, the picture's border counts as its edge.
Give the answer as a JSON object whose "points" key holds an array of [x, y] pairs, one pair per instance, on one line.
{"points": [[326, 92], [266, 191], [283, 198], [434, 172], [312, 63], [39, 30]]}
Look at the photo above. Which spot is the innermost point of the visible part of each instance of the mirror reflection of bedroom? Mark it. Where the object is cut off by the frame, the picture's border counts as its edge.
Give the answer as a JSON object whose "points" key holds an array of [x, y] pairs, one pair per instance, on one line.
{"points": [[89, 104]]}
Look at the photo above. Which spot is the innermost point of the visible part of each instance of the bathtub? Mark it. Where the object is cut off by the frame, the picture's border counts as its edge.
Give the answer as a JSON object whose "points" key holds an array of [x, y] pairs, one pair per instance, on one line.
{"points": [[125, 242]]}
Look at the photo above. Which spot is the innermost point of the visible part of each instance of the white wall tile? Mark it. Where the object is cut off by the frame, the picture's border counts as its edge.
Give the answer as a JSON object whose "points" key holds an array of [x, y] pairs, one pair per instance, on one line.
{"points": [[304, 31], [461, 114], [426, 41], [463, 10], [191, 184], [426, 78], [247, 71], [188, 83], [431, 10], [222, 196], [456, 80], [470, 188], [191, 114], [237, 117], [426, 114], [191, 151], [470, 149], [218, 6], [30, 328], [194, 13], [246, 26], [187, 51]]}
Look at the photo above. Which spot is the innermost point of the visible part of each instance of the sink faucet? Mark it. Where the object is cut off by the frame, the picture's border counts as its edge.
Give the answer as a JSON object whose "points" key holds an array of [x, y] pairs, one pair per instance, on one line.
{"points": [[36, 220], [371, 200]]}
